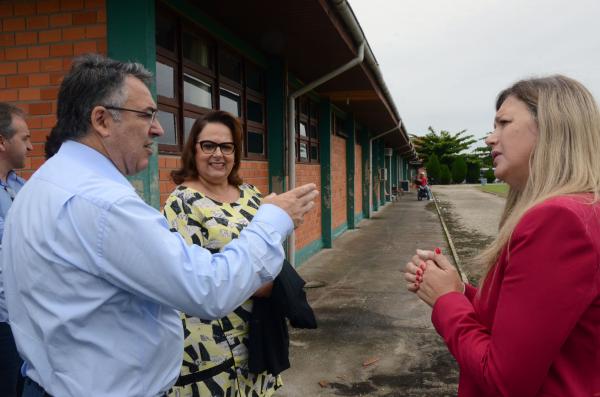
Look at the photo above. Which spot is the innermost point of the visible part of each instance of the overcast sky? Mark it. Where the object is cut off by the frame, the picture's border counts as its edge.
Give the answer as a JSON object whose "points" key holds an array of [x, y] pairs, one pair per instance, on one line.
{"points": [[444, 61]]}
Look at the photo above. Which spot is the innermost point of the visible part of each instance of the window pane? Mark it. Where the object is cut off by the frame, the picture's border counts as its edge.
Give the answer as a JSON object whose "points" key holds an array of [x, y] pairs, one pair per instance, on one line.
{"points": [[255, 111], [254, 78], [302, 129], [314, 152], [303, 151], [167, 121], [164, 80], [230, 102], [230, 66], [197, 92], [304, 107], [165, 31], [197, 50], [314, 133], [255, 142], [188, 122]]}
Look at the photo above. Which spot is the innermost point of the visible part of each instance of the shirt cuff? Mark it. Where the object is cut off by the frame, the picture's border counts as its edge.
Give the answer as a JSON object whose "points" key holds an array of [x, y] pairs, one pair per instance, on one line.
{"points": [[444, 311], [276, 217]]}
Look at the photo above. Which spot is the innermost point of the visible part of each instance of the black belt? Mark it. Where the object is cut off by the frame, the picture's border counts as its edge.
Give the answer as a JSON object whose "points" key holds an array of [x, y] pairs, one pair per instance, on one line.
{"points": [[185, 380], [40, 389]]}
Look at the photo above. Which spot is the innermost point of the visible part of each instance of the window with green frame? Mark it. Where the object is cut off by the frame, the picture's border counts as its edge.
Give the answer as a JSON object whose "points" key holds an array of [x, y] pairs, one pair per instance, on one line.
{"points": [[307, 131], [196, 73]]}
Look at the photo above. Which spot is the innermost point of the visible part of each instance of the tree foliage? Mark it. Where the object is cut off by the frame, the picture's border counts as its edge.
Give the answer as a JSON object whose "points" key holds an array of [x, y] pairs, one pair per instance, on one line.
{"points": [[459, 169], [445, 145], [445, 175], [484, 154], [433, 168]]}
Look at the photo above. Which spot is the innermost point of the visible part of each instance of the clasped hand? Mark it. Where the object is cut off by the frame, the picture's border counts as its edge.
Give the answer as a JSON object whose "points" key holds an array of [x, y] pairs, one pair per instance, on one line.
{"points": [[430, 275]]}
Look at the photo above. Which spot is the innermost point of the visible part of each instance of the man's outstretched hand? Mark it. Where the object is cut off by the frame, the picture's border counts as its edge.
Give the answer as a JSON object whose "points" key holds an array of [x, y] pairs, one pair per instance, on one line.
{"points": [[296, 202]]}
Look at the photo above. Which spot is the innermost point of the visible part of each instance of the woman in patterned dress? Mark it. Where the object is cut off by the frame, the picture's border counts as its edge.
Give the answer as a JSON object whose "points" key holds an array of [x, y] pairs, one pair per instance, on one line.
{"points": [[210, 207]]}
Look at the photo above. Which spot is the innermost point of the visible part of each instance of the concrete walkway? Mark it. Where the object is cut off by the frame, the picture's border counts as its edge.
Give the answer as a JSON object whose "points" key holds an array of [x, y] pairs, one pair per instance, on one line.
{"points": [[374, 337]]}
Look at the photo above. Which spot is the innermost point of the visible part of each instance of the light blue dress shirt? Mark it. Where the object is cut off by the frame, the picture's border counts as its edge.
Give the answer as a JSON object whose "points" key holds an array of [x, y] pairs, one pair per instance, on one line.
{"points": [[8, 191], [94, 279]]}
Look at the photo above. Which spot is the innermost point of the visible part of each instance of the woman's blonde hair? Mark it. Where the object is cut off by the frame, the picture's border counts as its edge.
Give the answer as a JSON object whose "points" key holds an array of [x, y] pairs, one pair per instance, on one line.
{"points": [[565, 159]]}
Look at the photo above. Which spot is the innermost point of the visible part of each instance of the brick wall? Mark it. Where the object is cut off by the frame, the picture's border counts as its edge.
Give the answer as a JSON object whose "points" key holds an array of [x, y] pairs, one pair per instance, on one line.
{"points": [[38, 40], [254, 172], [338, 182], [257, 174], [310, 230], [358, 179], [165, 165]]}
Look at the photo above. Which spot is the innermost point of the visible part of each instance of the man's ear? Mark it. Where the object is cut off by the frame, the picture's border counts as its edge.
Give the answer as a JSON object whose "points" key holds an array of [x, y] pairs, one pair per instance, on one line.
{"points": [[3, 141], [101, 121]]}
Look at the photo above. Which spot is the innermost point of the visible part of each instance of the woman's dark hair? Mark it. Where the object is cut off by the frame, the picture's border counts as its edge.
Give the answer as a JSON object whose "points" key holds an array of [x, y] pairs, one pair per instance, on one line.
{"points": [[188, 168], [93, 80]]}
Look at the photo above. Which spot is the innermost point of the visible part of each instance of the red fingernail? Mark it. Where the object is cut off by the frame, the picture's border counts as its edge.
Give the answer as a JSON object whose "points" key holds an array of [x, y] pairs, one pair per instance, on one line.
{"points": [[419, 272], [423, 266], [438, 250]]}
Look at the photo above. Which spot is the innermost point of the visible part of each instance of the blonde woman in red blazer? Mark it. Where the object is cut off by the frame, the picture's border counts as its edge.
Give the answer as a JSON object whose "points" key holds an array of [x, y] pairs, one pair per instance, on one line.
{"points": [[533, 327]]}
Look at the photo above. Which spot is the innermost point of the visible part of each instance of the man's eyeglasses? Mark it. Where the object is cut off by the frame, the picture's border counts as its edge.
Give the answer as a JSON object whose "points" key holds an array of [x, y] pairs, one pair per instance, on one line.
{"points": [[209, 147], [149, 114]]}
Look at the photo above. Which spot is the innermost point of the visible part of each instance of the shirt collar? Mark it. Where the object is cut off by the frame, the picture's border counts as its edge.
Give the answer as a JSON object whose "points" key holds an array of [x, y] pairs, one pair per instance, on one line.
{"points": [[11, 176], [93, 160]]}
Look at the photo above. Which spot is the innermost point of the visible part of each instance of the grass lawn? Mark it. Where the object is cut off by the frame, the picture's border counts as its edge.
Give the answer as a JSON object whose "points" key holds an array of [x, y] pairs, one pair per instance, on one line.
{"points": [[501, 189]]}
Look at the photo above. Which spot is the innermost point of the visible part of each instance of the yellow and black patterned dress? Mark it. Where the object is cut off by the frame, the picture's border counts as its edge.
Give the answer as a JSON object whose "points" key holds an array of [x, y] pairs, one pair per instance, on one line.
{"points": [[215, 358]]}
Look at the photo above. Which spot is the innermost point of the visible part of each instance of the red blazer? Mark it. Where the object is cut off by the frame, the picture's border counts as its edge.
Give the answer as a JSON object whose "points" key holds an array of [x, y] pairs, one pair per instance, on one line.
{"points": [[534, 327]]}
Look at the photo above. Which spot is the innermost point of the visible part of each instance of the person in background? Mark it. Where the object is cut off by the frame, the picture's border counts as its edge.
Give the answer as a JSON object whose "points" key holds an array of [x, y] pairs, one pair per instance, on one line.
{"points": [[209, 208], [14, 145], [93, 276], [533, 327]]}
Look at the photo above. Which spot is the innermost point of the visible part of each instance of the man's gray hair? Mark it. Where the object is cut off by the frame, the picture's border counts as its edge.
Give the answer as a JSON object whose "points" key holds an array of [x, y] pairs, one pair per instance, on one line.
{"points": [[92, 81], [7, 111]]}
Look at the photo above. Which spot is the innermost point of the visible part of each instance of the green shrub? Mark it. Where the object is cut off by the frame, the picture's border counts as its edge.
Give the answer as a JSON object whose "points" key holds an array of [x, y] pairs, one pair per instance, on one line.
{"points": [[489, 175], [459, 169], [473, 172], [445, 175], [433, 167]]}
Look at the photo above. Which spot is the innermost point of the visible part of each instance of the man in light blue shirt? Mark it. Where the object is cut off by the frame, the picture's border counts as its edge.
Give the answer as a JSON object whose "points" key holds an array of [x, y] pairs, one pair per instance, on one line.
{"points": [[93, 300], [14, 145]]}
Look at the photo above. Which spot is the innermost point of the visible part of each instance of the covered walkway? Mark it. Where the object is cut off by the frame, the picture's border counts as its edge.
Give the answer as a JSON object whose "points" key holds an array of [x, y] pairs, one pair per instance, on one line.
{"points": [[374, 337]]}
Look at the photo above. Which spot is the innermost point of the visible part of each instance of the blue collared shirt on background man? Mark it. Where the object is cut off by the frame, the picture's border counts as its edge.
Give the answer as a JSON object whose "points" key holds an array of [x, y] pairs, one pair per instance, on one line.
{"points": [[8, 191], [94, 278]]}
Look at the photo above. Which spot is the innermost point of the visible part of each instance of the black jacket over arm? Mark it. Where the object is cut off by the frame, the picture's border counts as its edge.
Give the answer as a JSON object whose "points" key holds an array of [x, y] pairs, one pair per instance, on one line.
{"points": [[268, 347]]}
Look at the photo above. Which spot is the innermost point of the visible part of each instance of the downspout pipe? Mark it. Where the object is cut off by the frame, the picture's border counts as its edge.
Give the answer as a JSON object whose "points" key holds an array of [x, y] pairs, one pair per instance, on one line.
{"points": [[371, 162], [292, 130], [345, 12]]}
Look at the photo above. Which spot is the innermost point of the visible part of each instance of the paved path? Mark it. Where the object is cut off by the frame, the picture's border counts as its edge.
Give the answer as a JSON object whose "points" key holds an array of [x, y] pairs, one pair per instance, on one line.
{"points": [[472, 216], [365, 314], [476, 209]]}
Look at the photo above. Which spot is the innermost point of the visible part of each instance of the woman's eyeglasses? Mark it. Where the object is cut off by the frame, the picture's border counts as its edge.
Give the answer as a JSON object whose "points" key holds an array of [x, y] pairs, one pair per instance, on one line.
{"points": [[209, 147]]}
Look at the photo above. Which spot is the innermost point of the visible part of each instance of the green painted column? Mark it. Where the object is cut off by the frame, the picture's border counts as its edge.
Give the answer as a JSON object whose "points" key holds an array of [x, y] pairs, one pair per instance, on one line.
{"points": [[363, 139], [350, 169], [375, 171], [276, 116], [130, 37], [382, 165], [395, 177], [325, 159]]}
